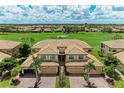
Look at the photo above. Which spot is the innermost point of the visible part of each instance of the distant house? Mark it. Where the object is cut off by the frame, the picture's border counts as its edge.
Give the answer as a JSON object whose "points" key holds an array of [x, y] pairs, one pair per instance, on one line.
{"points": [[9, 47], [115, 47], [112, 46], [3, 56], [59, 29], [47, 30], [71, 54]]}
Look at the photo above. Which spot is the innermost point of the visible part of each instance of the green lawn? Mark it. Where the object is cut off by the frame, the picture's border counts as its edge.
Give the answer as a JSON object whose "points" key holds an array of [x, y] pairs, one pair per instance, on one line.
{"points": [[119, 84], [5, 83], [92, 38]]}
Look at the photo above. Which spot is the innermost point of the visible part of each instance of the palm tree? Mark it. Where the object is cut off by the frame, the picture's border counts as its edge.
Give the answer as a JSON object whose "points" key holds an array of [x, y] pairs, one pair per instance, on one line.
{"points": [[36, 65], [87, 68], [15, 72]]}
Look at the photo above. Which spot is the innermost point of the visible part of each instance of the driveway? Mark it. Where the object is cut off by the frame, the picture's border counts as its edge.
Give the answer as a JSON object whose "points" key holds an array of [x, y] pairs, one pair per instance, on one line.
{"points": [[79, 82], [29, 81], [47, 82], [100, 82]]}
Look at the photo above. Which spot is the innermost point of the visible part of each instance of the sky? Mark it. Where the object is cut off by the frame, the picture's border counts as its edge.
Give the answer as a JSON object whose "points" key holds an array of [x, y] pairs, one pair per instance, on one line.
{"points": [[61, 14]]}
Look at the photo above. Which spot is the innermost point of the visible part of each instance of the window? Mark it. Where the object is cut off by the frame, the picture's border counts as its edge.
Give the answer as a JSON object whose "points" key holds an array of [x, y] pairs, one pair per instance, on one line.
{"points": [[43, 57], [71, 57], [89, 50], [102, 46], [52, 57], [113, 50], [80, 57]]}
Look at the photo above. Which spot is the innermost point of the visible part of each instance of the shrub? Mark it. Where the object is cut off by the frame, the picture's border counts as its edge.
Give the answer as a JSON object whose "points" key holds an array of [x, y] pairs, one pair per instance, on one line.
{"points": [[110, 71], [117, 37], [111, 60]]}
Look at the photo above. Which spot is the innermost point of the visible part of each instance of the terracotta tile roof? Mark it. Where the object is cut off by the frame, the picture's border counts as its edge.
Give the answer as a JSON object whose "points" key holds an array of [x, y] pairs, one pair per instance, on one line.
{"points": [[66, 42], [3, 56], [72, 46], [7, 44], [27, 63], [50, 64], [48, 50], [115, 43], [75, 50], [120, 56]]}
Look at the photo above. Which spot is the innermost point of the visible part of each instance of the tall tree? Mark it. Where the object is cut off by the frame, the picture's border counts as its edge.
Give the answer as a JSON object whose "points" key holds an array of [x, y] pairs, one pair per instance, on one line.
{"points": [[87, 68], [37, 61]]}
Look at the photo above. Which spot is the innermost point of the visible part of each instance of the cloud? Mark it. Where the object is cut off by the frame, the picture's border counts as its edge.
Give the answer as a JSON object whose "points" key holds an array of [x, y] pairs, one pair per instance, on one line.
{"points": [[120, 8], [61, 14]]}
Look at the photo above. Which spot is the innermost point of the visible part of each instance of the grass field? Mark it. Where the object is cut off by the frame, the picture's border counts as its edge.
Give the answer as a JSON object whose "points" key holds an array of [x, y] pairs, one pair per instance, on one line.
{"points": [[92, 38]]}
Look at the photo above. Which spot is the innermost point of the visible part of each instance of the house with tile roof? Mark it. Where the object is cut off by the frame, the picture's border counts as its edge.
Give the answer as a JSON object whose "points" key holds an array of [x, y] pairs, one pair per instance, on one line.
{"points": [[112, 46], [9, 47], [69, 53], [115, 47]]}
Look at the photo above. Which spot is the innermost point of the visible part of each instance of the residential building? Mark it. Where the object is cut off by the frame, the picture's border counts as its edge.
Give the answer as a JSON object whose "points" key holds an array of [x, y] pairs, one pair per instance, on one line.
{"points": [[9, 47], [112, 46], [115, 47], [69, 53]]}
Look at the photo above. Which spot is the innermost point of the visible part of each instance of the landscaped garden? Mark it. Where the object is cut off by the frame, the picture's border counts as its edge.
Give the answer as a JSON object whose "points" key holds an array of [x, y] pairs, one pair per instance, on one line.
{"points": [[92, 38]]}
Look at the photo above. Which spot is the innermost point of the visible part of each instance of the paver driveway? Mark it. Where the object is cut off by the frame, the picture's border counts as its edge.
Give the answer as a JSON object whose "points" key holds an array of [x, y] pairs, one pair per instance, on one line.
{"points": [[79, 82], [46, 82], [27, 81]]}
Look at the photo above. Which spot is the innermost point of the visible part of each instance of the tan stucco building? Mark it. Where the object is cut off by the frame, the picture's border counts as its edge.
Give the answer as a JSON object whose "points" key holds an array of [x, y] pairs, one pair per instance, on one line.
{"points": [[3, 56], [120, 56], [112, 46], [72, 54], [9, 47], [115, 47]]}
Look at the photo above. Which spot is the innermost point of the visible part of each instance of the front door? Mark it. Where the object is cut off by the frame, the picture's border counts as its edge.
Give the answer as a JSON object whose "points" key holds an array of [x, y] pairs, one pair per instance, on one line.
{"points": [[61, 59]]}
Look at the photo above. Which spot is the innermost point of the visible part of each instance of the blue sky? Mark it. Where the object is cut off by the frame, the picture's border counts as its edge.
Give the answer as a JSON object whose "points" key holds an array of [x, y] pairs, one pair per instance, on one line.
{"points": [[61, 14]]}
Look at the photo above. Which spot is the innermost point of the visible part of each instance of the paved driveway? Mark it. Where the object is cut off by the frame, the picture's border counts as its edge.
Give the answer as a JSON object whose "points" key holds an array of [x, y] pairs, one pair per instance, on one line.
{"points": [[29, 81], [47, 82], [100, 82], [79, 82]]}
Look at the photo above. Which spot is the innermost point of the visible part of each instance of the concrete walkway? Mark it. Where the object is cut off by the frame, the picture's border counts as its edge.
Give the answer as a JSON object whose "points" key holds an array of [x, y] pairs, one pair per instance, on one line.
{"points": [[79, 82]]}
